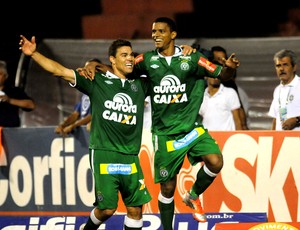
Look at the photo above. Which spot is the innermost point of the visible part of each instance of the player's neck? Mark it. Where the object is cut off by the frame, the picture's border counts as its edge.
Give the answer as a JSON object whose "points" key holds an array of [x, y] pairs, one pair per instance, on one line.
{"points": [[168, 50]]}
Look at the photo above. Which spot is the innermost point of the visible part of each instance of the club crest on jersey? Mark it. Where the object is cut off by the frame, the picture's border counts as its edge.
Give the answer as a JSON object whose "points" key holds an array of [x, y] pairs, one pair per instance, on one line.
{"points": [[207, 64], [99, 197], [133, 86], [184, 66], [163, 172]]}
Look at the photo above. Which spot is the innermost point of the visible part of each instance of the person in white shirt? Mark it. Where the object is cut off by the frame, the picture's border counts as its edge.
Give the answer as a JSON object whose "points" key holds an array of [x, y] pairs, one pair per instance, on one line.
{"points": [[147, 114], [220, 107], [285, 106], [218, 55], [244, 99]]}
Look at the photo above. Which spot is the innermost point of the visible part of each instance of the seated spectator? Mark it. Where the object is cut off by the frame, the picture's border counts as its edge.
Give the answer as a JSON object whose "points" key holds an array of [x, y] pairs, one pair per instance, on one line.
{"points": [[12, 100], [80, 116]]}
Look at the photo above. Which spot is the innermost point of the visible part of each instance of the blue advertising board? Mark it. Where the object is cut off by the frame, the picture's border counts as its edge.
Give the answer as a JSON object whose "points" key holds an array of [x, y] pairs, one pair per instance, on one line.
{"points": [[151, 221]]}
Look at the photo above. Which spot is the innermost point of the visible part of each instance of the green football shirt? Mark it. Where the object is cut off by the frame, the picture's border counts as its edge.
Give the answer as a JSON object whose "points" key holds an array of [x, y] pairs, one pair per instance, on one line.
{"points": [[117, 107], [176, 88]]}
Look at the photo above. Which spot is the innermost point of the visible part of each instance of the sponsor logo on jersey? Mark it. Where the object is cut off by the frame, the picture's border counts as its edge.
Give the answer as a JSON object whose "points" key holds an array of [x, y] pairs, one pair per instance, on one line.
{"points": [[185, 58], [154, 66], [186, 140], [207, 64], [123, 169], [154, 58], [119, 108], [139, 58], [143, 185], [108, 82], [170, 91]]}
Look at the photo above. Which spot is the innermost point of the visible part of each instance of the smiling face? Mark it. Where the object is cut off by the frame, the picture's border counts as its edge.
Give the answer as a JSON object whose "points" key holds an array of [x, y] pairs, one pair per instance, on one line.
{"points": [[285, 70], [123, 61], [162, 36]]}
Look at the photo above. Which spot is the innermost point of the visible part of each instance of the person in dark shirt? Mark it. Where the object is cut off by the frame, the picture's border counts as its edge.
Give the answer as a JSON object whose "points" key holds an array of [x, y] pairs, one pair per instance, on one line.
{"points": [[12, 99]]}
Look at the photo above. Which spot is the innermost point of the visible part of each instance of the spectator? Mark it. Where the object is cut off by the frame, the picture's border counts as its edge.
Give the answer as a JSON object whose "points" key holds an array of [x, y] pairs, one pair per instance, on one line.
{"points": [[117, 104], [220, 107], [147, 114], [285, 106], [244, 99], [219, 55], [12, 100], [82, 112], [80, 116]]}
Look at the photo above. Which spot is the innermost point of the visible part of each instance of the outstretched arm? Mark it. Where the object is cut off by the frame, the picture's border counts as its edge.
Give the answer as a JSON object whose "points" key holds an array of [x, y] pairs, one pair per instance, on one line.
{"points": [[29, 49]]}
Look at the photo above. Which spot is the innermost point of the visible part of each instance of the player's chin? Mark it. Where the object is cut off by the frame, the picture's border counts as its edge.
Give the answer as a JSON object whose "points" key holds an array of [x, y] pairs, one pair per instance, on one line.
{"points": [[158, 44], [129, 70]]}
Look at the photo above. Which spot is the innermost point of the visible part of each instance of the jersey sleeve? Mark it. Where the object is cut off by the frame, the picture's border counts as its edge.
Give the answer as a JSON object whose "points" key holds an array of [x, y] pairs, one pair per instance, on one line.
{"points": [[140, 67], [84, 85], [204, 65]]}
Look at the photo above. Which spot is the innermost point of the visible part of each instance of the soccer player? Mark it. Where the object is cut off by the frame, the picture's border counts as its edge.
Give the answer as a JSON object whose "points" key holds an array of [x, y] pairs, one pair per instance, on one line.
{"points": [[117, 105], [177, 88], [176, 91]]}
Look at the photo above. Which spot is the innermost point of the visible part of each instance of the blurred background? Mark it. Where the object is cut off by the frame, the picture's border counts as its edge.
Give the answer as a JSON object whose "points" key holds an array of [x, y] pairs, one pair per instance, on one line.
{"points": [[61, 28]]}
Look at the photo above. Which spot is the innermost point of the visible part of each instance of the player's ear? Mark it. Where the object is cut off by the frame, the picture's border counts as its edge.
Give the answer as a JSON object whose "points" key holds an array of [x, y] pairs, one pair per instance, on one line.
{"points": [[112, 60], [173, 35]]}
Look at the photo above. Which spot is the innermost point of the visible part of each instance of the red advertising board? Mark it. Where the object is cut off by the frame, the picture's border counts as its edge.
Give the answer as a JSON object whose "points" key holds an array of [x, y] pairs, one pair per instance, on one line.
{"points": [[46, 175]]}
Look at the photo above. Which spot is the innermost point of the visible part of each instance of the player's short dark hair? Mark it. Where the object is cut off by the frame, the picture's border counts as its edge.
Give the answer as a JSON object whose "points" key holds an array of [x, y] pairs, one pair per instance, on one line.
{"points": [[112, 51], [171, 23], [220, 49]]}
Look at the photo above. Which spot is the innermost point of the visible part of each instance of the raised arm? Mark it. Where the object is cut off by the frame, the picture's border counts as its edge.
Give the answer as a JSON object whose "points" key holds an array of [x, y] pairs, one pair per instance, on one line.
{"points": [[58, 70], [229, 68]]}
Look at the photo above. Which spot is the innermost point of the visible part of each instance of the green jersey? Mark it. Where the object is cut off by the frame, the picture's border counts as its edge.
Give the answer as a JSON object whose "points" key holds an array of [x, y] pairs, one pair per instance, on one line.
{"points": [[176, 88], [117, 107]]}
